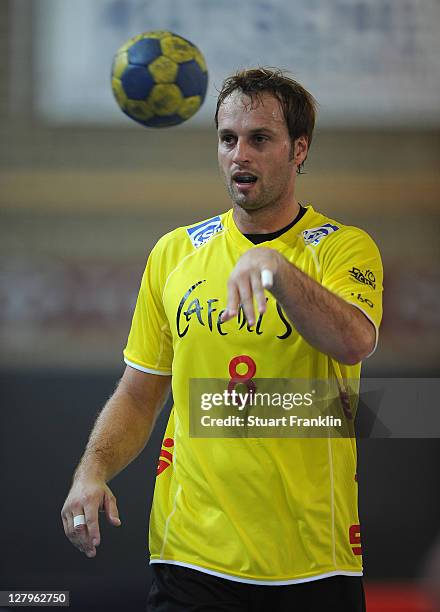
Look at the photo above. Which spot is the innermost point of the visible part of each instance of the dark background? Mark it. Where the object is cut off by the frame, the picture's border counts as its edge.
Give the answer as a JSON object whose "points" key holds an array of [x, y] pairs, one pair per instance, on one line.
{"points": [[46, 420]]}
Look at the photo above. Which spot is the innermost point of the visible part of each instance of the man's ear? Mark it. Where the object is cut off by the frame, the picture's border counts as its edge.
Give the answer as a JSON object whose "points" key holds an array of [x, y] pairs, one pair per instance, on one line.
{"points": [[300, 150]]}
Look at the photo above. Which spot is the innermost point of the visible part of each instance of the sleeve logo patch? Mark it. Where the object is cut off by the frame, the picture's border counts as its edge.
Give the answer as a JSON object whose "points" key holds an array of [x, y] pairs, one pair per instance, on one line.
{"points": [[367, 277], [201, 233], [316, 234]]}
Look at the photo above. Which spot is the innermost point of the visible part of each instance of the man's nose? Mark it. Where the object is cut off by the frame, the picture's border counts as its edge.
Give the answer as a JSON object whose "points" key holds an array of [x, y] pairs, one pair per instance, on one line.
{"points": [[242, 153]]}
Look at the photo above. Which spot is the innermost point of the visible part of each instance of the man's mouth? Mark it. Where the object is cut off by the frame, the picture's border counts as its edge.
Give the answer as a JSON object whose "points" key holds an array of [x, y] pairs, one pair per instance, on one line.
{"points": [[243, 178]]}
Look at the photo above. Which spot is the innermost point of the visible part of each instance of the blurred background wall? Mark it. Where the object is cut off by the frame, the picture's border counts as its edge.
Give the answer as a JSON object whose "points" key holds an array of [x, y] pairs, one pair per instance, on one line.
{"points": [[83, 199]]}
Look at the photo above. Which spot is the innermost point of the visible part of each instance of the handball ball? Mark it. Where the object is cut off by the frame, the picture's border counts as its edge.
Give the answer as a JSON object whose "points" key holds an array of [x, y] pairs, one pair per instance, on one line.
{"points": [[159, 79]]}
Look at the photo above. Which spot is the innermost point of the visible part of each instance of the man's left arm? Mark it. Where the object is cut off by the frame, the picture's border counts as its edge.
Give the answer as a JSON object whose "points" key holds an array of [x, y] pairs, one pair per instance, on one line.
{"points": [[325, 320]]}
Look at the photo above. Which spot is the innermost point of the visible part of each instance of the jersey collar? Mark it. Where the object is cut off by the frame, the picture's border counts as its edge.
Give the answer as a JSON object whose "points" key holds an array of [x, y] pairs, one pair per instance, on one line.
{"points": [[284, 241]]}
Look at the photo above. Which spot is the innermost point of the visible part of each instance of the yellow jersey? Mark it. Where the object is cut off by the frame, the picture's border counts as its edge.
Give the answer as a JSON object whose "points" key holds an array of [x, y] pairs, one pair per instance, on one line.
{"points": [[256, 510]]}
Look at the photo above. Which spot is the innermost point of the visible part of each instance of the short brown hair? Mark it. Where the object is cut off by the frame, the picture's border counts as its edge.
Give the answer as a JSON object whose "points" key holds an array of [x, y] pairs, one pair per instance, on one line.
{"points": [[297, 104]]}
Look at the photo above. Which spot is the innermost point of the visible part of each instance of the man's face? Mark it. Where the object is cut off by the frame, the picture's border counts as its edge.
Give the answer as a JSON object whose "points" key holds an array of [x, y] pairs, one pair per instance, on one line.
{"points": [[255, 151]]}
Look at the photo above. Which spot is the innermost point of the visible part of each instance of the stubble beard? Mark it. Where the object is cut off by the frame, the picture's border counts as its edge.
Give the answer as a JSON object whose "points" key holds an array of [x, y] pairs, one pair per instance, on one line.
{"points": [[264, 199]]}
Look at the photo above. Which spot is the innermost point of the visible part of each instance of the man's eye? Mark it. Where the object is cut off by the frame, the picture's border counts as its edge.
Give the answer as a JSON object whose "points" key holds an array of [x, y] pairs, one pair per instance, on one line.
{"points": [[260, 138], [227, 139]]}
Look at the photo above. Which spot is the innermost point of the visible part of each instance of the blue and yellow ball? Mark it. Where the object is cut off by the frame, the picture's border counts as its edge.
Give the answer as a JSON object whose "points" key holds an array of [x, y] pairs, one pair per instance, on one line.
{"points": [[159, 79]]}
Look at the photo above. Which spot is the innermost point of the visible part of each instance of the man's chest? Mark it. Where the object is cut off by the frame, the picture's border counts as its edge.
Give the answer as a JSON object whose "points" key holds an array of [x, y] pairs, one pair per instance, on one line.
{"points": [[197, 294]]}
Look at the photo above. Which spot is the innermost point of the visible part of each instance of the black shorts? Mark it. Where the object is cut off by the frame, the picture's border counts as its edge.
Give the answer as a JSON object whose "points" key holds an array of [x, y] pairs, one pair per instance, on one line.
{"points": [[181, 589]]}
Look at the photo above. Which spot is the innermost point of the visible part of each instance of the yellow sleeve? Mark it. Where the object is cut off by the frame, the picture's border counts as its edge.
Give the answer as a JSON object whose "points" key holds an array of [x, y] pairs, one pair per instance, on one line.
{"points": [[351, 268], [149, 346]]}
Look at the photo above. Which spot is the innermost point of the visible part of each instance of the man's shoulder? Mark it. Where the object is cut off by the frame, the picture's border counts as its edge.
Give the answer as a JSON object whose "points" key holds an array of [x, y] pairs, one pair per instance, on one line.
{"points": [[323, 231], [194, 235], [319, 227]]}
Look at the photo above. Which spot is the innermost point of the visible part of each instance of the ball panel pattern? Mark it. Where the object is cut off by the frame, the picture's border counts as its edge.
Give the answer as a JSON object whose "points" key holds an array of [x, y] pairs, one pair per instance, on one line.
{"points": [[190, 106], [129, 43], [137, 82], [159, 78], [156, 34], [120, 63], [144, 51], [191, 80], [140, 110], [165, 99], [168, 121], [163, 70], [177, 48], [201, 62], [119, 93]]}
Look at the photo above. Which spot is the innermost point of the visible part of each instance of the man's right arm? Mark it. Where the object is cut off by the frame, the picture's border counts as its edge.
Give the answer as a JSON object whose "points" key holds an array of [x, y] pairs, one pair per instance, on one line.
{"points": [[119, 435]]}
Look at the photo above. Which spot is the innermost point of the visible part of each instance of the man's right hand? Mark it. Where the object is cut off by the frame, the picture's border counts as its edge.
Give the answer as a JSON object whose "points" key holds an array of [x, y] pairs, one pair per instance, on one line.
{"points": [[119, 435], [87, 497]]}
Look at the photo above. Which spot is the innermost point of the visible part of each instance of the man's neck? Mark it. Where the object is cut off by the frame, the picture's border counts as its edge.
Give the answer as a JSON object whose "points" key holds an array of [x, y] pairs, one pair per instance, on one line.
{"points": [[265, 220]]}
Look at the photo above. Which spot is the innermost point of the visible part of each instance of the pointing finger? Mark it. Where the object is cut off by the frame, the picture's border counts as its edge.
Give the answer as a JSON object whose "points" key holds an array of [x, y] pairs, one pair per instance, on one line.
{"points": [[75, 533], [81, 533], [233, 302], [247, 300], [93, 534], [258, 292], [266, 278]]}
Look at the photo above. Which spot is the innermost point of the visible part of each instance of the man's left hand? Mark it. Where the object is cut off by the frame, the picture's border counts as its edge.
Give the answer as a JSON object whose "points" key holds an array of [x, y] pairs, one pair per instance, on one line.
{"points": [[246, 284]]}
